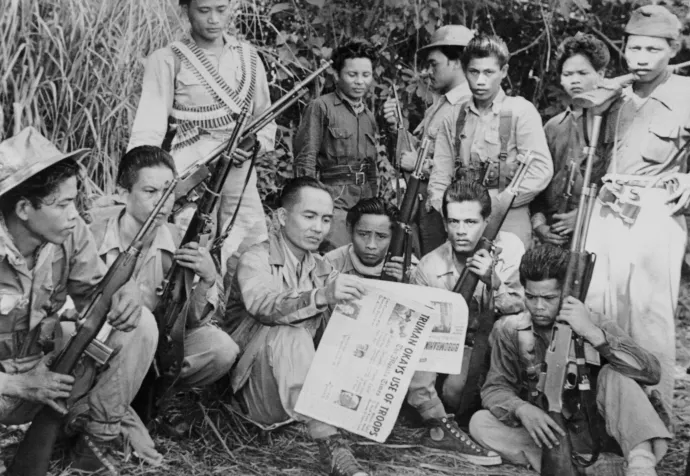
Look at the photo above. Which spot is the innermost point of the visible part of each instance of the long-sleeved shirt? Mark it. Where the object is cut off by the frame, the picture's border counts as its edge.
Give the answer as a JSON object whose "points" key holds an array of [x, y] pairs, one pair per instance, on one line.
{"points": [[642, 136], [271, 288], [505, 389], [153, 265], [163, 85], [439, 269], [29, 297], [332, 134], [481, 141]]}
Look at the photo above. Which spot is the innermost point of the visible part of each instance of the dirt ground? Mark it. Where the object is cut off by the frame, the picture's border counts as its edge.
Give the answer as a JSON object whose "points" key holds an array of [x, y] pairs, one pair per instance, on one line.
{"points": [[220, 442]]}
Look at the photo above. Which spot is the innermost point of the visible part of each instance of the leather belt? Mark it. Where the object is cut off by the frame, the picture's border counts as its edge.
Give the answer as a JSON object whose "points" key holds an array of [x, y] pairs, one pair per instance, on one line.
{"points": [[346, 172]]}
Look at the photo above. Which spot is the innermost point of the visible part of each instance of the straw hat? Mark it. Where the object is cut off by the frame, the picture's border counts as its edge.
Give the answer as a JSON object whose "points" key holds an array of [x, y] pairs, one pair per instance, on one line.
{"points": [[25, 155]]}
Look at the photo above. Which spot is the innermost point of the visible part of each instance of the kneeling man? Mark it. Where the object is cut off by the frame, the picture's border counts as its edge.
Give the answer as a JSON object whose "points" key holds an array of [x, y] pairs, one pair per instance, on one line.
{"points": [[519, 430], [279, 307]]}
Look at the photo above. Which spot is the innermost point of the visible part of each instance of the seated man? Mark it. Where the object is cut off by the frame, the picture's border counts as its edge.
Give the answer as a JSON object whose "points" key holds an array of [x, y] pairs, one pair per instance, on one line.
{"points": [[278, 306], [370, 223], [466, 209], [46, 254], [519, 430], [142, 176]]}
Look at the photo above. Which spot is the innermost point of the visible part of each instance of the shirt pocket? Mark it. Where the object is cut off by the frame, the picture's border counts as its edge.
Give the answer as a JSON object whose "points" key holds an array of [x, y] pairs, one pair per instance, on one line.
{"points": [[340, 144], [660, 143], [492, 144]]}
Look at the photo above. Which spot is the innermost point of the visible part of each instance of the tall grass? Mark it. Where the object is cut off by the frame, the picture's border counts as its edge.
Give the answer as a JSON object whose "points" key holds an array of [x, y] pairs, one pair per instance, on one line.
{"points": [[73, 69]]}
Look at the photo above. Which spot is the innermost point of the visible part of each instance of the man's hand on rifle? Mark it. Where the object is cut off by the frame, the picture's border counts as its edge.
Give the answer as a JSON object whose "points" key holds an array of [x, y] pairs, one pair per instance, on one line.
{"points": [[576, 315], [482, 264], [40, 385], [546, 236], [198, 259], [679, 186], [539, 425], [394, 267], [564, 223], [390, 113], [343, 288], [125, 309], [244, 150]]}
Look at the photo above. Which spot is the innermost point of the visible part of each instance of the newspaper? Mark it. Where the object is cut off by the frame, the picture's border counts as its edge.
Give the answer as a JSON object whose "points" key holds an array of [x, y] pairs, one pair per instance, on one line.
{"points": [[365, 361], [444, 349]]}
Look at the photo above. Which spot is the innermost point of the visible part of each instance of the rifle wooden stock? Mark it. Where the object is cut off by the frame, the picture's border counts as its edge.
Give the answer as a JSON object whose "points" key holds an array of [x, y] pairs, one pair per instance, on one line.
{"points": [[558, 460], [401, 228], [33, 455], [466, 285]]}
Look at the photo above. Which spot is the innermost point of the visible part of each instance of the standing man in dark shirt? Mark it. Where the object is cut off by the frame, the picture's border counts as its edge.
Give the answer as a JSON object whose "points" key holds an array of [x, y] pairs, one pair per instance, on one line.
{"points": [[336, 139]]}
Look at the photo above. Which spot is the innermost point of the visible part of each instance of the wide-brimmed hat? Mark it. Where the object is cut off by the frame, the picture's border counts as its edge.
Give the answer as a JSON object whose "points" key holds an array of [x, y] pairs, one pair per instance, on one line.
{"points": [[449, 35], [25, 155]]}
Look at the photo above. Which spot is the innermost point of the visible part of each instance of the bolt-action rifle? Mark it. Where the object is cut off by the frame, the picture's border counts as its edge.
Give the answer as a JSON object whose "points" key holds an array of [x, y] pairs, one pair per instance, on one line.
{"points": [[401, 240], [202, 169], [33, 455], [466, 285], [562, 373], [173, 292]]}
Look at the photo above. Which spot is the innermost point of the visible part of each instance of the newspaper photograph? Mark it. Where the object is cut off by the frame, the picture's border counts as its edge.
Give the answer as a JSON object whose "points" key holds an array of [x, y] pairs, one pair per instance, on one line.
{"points": [[364, 363], [446, 344]]}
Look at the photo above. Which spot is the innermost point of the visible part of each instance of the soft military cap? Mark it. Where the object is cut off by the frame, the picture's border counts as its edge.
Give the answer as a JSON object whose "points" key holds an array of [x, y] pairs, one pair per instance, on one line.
{"points": [[25, 155], [450, 35], [654, 20]]}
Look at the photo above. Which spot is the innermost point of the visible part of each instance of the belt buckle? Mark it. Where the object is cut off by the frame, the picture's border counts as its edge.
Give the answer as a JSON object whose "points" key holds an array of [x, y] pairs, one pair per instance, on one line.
{"points": [[360, 178]]}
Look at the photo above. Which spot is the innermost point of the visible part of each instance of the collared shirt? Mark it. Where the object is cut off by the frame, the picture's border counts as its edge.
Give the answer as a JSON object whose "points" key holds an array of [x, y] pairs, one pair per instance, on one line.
{"points": [[331, 134], [438, 269], [162, 86], [342, 260], [441, 107], [481, 141], [644, 139], [266, 292], [505, 389], [153, 264], [29, 297]]}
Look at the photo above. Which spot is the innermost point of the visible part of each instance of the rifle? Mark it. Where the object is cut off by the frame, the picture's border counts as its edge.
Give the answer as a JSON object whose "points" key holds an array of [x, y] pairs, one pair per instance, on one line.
{"points": [[561, 372], [566, 203], [402, 231], [200, 171], [33, 455], [466, 285], [168, 311], [394, 138]]}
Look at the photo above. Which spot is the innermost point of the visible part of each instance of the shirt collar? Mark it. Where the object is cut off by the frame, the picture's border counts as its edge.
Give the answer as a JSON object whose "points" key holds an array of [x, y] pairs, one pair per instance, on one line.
{"points": [[458, 93], [355, 107], [308, 262], [667, 92], [495, 106], [9, 249], [163, 240], [569, 113]]}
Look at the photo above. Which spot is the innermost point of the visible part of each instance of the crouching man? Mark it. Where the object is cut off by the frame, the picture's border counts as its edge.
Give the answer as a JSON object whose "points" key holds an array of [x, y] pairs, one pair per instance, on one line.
{"points": [[466, 209], [278, 307], [143, 175], [518, 430], [370, 223], [46, 254]]}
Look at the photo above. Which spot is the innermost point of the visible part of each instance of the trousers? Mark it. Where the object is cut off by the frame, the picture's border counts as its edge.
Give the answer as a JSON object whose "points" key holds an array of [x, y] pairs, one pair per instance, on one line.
{"points": [[100, 397], [630, 419], [209, 353], [277, 377], [636, 278]]}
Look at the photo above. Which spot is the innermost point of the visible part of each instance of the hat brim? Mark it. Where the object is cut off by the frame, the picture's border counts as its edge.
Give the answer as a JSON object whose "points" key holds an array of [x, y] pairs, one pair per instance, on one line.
{"points": [[441, 43], [26, 173]]}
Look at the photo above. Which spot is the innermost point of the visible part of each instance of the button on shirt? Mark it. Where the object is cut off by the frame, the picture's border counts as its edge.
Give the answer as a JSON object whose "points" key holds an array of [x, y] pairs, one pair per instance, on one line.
{"points": [[648, 133], [161, 86], [481, 141], [331, 133]]}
